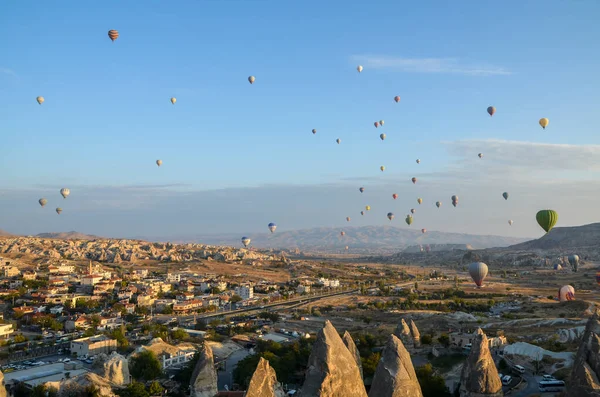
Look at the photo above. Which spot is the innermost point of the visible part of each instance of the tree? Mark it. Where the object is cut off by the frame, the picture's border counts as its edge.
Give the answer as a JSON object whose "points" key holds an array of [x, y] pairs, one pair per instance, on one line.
{"points": [[416, 286], [145, 366], [444, 339], [235, 299], [19, 338], [179, 334], [431, 385], [155, 389], [134, 389], [426, 339]]}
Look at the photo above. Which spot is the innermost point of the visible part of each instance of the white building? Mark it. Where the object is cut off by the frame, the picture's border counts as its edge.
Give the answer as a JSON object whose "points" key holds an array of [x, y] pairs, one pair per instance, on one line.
{"points": [[6, 330], [245, 291], [173, 277], [91, 279], [303, 288], [179, 358], [329, 283], [93, 345], [62, 268]]}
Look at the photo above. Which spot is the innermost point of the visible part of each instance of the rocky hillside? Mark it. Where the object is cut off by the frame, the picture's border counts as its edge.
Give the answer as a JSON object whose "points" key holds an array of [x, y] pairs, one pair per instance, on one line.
{"points": [[564, 238], [373, 239], [117, 251], [72, 235]]}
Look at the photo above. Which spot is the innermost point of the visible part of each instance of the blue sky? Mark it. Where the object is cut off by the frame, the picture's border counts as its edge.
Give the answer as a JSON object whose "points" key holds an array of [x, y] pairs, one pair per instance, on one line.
{"points": [[107, 115]]}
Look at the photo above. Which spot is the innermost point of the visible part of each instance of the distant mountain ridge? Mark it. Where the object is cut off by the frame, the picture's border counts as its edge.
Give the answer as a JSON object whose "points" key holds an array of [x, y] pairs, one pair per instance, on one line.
{"points": [[564, 238], [364, 238], [72, 235]]}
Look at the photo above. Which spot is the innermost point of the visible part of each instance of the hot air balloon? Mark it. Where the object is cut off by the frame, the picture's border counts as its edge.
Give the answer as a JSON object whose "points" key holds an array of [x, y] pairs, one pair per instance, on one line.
{"points": [[381, 123], [574, 261], [414, 180], [397, 98], [382, 136], [42, 201], [159, 162], [408, 220], [251, 79], [348, 218], [272, 227], [368, 208], [390, 216], [314, 131], [438, 204], [544, 122], [40, 99], [455, 198], [478, 271], [245, 241], [566, 293], [418, 161], [510, 222], [58, 210], [359, 68], [65, 192], [346, 248], [362, 212], [343, 233], [423, 231], [113, 34], [505, 195], [491, 110], [394, 196], [455, 203], [382, 168], [412, 210], [557, 267], [480, 155], [338, 141], [546, 219], [376, 124], [173, 100], [362, 189], [420, 200]]}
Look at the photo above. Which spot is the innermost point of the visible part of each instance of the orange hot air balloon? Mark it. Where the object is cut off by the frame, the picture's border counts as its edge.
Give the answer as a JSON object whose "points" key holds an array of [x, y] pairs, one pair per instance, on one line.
{"points": [[342, 233], [423, 231], [414, 180], [113, 34], [395, 196], [397, 98]]}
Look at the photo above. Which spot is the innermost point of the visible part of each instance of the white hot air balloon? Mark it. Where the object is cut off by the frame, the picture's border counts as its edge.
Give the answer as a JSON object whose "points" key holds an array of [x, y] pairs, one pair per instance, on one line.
{"points": [[359, 68], [65, 192], [159, 162]]}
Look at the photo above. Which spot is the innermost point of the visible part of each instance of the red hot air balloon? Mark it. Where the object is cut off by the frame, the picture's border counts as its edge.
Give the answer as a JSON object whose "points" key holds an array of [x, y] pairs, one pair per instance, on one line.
{"points": [[397, 98], [376, 124], [113, 34], [395, 196]]}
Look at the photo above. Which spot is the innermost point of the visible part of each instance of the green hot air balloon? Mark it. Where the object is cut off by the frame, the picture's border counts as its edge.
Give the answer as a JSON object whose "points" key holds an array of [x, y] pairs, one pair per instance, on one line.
{"points": [[546, 219], [505, 195], [409, 220]]}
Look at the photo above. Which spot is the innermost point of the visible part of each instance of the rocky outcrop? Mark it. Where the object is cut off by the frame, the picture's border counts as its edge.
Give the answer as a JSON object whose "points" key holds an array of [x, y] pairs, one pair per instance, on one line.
{"points": [[115, 368], [585, 375], [203, 382], [332, 370], [349, 342], [416, 336], [402, 332], [2, 387], [83, 385], [395, 375], [479, 377], [264, 382]]}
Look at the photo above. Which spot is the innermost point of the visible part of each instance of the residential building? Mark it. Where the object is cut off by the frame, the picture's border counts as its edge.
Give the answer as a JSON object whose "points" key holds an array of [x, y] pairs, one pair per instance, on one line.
{"points": [[187, 306], [179, 358], [303, 289], [329, 283], [221, 285], [140, 273], [173, 277], [245, 291], [91, 279], [62, 268], [10, 271], [29, 275], [6, 330], [93, 345]]}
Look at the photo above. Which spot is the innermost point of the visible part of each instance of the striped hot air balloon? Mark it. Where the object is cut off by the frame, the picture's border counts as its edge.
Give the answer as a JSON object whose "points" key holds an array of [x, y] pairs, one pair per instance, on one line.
{"points": [[113, 34]]}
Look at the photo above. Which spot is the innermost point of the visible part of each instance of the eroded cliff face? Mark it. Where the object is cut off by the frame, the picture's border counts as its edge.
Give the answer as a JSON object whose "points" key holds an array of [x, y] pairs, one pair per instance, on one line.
{"points": [[403, 333], [203, 382], [264, 382], [349, 342], [332, 369], [479, 377], [395, 375], [585, 375], [115, 368]]}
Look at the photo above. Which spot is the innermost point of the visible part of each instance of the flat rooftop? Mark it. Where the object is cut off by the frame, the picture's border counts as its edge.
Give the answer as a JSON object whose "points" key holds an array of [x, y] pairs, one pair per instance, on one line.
{"points": [[41, 374]]}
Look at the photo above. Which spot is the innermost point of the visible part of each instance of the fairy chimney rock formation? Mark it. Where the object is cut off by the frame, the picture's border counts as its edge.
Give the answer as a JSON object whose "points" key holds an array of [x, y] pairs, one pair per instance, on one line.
{"points": [[349, 342], [479, 377], [203, 382], [264, 382], [395, 375], [585, 375], [2, 387], [115, 368], [403, 333], [332, 370], [416, 336]]}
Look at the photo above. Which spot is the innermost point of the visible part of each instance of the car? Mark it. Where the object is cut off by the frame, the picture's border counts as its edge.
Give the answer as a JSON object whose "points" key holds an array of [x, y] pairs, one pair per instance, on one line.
{"points": [[548, 377]]}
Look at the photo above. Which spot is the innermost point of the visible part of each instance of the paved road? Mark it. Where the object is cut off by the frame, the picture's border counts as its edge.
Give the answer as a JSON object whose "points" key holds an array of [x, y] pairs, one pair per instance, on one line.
{"points": [[225, 377]]}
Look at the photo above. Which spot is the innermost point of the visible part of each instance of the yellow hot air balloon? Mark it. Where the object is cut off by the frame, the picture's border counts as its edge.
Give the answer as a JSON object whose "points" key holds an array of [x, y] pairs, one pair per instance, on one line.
{"points": [[368, 208], [173, 100], [359, 68], [420, 200], [40, 99], [381, 122], [382, 168], [544, 122], [159, 162]]}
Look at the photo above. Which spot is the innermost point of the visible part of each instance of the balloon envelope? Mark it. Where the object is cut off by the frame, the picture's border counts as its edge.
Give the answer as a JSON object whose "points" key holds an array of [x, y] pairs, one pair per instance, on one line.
{"points": [[173, 100], [368, 208], [246, 241], [314, 131], [42, 201], [40, 99], [420, 200], [409, 220], [382, 168], [505, 195], [348, 219], [394, 196], [65, 192], [423, 231], [390, 216], [382, 136], [491, 110], [412, 210], [418, 161], [251, 79], [478, 271], [566, 293], [557, 267], [359, 68], [574, 261], [272, 227], [113, 34], [414, 180], [546, 219], [510, 222], [397, 98], [58, 211], [159, 162], [362, 189], [438, 204], [480, 155], [544, 122], [338, 141]]}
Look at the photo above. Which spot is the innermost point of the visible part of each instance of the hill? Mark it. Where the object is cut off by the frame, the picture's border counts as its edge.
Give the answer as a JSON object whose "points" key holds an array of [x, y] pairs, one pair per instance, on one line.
{"points": [[5, 234], [372, 239], [564, 238], [72, 235]]}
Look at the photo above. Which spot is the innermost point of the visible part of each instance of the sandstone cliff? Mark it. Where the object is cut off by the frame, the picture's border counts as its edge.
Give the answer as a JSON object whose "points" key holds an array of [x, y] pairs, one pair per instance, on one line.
{"points": [[264, 382], [332, 370], [203, 382], [395, 375], [349, 342], [402, 332], [416, 336], [585, 375], [479, 377], [115, 368]]}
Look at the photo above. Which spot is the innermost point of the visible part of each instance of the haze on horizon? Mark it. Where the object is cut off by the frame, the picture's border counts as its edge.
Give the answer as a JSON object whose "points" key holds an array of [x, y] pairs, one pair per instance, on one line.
{"points": [[238, 156]]}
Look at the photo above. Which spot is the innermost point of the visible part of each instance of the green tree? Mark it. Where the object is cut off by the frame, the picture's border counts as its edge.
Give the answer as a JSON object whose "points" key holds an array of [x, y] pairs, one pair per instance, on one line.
{"points": [[179, 334], [134, 389], [426, 339], [19, 338], [431, 385], [444, 339], [369, 364], [155, 389], [145, 366], [235, 299]]}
